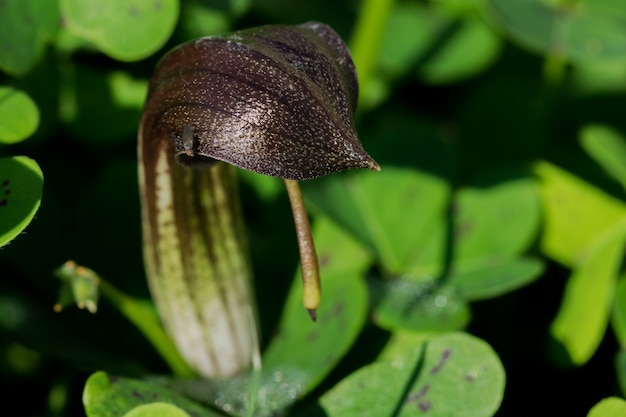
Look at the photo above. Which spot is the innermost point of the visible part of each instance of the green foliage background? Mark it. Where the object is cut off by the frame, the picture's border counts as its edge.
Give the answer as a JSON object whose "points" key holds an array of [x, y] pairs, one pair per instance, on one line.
{"points": [[500, 210]]}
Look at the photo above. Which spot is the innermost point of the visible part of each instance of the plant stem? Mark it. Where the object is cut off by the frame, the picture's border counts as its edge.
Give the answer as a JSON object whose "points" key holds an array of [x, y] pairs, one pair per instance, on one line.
{"points": [[257, 368], [367, 39], [147, 323], [311, 288], [131, 309], [554, 69]]}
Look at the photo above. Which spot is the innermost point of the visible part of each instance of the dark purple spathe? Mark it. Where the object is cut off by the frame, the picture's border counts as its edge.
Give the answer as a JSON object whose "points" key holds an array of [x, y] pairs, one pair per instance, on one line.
{"points": [[277, 100]]}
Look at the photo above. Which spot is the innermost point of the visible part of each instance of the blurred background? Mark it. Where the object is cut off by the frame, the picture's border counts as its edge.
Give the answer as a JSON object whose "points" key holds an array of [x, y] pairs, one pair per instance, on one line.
{"points": [[499, 126]]}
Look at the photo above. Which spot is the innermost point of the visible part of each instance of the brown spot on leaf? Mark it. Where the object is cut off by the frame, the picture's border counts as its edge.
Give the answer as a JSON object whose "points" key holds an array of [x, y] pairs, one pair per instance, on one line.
{"points": [[463, 229], [324, 259], [445, 355], [330, 360], [312, 337], [470, 377], [3, 202], [418, 395], [424, 405], [338, 309]]}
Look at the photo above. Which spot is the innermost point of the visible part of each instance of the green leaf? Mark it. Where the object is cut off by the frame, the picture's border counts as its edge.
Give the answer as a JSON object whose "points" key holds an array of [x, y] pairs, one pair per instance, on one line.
{"points": [[302, 353], [598, 77], [418, 306], [19, 116], [609, 407], [106, 396], [444, 47], [102, 108], [410, 32], [581, 30], [608, 148], [198, 19], [496, 220], [26, 27], [157, 409], [470, 48], [620, 369], [490, 279], [401, 342], [452, 375], [582, 319], [366, 204], [619, 311], [575, 213], [21, 183], [238, 7], [126, 30]]}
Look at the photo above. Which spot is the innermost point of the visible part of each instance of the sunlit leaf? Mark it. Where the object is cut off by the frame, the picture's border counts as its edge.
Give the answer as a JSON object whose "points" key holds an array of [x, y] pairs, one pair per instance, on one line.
{"points": [[19, 116], [125, 30], [608, 148], [620, 369], [609, 407], [400, 343], [575, 213], [619, 311], [450, 375], [21, 182], [582, 319]]}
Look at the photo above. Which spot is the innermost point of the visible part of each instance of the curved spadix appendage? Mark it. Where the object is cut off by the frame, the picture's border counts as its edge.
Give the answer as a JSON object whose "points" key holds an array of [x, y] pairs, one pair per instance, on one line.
{"points": [[276, 100]]}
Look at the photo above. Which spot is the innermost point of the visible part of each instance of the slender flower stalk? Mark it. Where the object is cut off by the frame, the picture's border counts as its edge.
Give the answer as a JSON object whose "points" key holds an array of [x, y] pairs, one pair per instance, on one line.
{"points": [[312, 290]]}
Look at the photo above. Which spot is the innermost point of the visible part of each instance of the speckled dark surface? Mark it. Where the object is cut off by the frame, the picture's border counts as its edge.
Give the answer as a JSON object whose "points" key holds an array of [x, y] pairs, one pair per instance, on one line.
{"points": [[277, 100]]}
